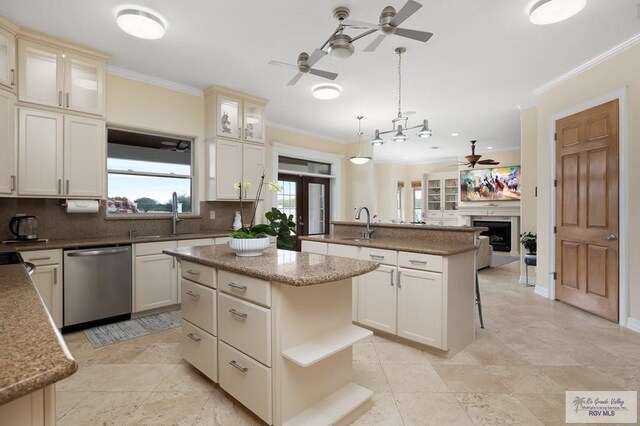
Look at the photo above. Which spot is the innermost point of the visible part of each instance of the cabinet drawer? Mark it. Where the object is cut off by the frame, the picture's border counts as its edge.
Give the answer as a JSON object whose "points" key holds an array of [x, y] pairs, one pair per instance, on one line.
{"points": [[251, 289], [245, 326], [434, 214], [202, 274], [246, 380], [343, 251], [42, 257], [314, 247], [200, 349], [196, 243], [199, 306], [425, 262], [450, 214], [143, 249], [387, 257]]}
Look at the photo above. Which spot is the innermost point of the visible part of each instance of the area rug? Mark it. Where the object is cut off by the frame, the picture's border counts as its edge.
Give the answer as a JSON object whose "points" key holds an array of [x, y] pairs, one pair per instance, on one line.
{"points": [[125, 330], [500, 260]]}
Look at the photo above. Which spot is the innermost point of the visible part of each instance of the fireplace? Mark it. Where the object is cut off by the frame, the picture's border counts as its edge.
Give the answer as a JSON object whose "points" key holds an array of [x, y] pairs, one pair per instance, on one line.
{"points": [[499, 234]]}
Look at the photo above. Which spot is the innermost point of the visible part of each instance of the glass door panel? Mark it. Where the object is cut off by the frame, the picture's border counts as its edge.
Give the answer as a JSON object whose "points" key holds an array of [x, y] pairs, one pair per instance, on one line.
{"points": [[41, 74], [451, 194], [84, 86], [228, 124], [7, 54]]}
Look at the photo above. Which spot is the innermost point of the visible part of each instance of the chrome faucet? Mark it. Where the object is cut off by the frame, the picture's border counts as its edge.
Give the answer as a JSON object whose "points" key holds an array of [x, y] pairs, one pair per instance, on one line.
{"points": [[174, 212], [366, 234]]}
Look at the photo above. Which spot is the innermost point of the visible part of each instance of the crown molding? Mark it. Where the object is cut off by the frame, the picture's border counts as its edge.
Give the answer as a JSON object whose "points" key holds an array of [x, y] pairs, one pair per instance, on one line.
{"points": [[526, 105], [305, 132], [154, 81], [589, 64]]}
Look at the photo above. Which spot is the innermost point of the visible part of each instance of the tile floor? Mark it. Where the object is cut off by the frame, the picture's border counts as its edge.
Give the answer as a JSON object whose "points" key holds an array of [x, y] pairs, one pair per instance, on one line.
{"points": [[515, 372]]}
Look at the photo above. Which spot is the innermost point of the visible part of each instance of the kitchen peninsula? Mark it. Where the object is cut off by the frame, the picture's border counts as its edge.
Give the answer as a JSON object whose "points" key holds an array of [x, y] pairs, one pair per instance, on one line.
{"points": [[423, 292], [274, 331]]}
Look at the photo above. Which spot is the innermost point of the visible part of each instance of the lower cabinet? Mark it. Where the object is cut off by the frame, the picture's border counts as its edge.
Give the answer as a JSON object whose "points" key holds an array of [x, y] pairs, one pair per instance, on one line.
{"points": [[420, 305], [155, 276], [35, 409], [48, 280], [377, 297]]}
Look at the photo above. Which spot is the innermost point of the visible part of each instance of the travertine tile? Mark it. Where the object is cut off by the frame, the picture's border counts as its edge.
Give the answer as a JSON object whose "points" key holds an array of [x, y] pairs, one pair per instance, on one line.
{"points": [[160, 353], [494, 352], [391, 352], [524, 379], [431, 409], [413, 378], [221, 410], [384, 412], [185, 377], [546, 407], [587, 354], [65, 401], [543, 354], [172, 335], [496, 409], [137, 377], [371, 376], [461, 358], [364, 352], [89, 377], [580, 378], [169, 408], [104, 409], [469, 378], [628, 378]]}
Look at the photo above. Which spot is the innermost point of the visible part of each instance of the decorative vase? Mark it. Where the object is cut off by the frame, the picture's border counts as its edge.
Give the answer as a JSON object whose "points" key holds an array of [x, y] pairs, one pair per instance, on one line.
{"points": [[237, 222], [249, 247]]}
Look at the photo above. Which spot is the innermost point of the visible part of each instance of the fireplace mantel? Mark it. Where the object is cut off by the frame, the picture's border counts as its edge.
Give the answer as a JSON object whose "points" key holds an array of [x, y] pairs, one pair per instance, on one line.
{"points": [[495, 212]]}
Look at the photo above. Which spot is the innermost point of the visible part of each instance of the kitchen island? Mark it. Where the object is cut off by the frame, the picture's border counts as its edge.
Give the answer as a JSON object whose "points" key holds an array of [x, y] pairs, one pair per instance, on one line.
{"points": [[274, 331]]}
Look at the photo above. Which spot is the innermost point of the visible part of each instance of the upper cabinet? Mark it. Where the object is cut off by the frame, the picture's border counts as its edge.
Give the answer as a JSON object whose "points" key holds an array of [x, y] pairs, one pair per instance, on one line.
{"points": [[8, 153], [233, 115], [7, 58], [58, 77], [442, 198]]}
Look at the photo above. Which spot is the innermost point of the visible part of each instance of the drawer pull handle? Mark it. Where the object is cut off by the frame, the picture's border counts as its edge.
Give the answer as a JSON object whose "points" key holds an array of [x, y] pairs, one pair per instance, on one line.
{"points": [[40, 258], [238, 287], [194, 337], [192, 272], [193, 294], [237, 313], [418, 262], [376, 256], [234, 364]]}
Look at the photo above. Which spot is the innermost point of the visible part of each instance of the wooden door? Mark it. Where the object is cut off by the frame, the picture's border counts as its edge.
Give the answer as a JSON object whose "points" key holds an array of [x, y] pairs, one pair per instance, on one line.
{"points": [[84, 156], [377, 299], [587, 210], [420, 306]]}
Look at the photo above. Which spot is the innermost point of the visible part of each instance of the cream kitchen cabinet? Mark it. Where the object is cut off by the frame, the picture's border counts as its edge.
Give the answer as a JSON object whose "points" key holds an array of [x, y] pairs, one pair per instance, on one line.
{"points": [[442, 197], [52, 76], [377, 297], [8, 148], [420, 306], [230, 163], [314, 247], [155, 276], [60, 155], [236, 116], [253, 121], [7, 58], [190, 243], [37, 408], [351, 252], [48, 279]]}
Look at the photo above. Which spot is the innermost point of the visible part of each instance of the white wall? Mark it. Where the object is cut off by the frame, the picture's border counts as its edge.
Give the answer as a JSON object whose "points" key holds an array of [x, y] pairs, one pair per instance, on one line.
{"points": [[528, 146]]}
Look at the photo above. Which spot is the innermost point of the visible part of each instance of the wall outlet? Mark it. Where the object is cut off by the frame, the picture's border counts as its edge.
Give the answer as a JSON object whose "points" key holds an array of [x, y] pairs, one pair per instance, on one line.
{"points": [[212, 214]]}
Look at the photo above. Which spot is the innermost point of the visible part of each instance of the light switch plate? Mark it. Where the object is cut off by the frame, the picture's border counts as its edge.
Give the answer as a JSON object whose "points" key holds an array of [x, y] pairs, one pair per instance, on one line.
{"points": [[212, 214]]}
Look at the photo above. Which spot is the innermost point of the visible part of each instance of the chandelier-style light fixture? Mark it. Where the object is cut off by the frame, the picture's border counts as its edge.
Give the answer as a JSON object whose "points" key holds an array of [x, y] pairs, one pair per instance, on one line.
{"points": [[360, 158], [400, 123]]}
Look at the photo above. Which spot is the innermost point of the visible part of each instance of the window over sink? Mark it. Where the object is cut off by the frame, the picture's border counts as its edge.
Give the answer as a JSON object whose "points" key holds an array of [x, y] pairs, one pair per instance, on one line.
{"points": [[143, 171]]}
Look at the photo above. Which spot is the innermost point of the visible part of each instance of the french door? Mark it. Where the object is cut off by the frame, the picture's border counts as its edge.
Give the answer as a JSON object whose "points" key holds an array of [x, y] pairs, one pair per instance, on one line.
{"points": [[308, 200]]}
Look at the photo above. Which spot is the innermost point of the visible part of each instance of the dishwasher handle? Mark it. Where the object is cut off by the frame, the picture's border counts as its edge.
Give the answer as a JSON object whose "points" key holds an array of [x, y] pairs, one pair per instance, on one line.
{"points": [[98, 252]]}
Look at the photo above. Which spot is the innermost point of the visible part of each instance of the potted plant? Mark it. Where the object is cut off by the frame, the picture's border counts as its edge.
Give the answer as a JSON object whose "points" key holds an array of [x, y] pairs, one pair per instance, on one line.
{"points": [[285, 228], [529, 242]]}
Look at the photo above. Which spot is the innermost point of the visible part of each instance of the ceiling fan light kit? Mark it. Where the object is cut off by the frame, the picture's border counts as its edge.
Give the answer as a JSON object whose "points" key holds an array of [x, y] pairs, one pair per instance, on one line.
{"points": [[473, 159], [140, 23], [359, 159], [545, 12], [326, 91]]}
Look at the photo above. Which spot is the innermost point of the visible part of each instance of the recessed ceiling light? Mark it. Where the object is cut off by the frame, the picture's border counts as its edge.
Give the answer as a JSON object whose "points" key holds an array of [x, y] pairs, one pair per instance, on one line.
{"points": [[489, 147], [435, 147], [546, 12], [455, 134], [140, 23], [326, 91]]}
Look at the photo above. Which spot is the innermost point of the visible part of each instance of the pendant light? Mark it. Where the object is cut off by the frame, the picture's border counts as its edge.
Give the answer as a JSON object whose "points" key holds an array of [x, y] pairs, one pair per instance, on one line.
{"points": [[359, 159]]}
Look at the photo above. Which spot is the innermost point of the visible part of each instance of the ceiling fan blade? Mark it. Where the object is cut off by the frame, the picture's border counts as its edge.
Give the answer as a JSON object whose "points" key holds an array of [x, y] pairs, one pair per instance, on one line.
{"points": [[359, 24], [323, 74], [407, 10], [488, 161], [295, 79], [315, 57], [283, 64], [375, 43], [422, 36]]}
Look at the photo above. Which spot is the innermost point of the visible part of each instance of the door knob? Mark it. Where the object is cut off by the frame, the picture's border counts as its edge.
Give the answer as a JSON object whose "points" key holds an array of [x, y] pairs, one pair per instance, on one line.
{"points": [[611, 238]]}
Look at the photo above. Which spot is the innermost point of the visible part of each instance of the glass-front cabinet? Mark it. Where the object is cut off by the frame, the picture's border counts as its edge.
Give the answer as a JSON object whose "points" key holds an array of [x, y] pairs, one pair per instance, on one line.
{"points": [[7, 59], [451, 189], [84, 83], [434, 197], [442, 198]]}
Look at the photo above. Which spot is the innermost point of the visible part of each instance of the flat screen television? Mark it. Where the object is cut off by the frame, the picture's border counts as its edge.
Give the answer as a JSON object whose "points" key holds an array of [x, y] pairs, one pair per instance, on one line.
{"points": [[496, 184]]}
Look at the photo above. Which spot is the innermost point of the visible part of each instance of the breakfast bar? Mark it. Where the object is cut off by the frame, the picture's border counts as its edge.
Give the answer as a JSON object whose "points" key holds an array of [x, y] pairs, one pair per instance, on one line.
{"points": [[274, 331]]}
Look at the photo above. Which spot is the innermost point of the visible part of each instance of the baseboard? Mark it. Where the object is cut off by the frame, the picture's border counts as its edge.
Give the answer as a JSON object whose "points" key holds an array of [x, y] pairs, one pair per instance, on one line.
{"points": [[633, 324], [541, 291], [523, 280]]}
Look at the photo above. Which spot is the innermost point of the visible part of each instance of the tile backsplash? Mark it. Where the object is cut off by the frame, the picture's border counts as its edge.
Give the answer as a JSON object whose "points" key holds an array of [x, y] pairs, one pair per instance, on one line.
{"points": [[54, 223]]}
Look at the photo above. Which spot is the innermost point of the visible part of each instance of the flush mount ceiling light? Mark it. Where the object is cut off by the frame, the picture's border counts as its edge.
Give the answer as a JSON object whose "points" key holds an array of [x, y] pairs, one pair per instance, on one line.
{"points": [[400, 122], [360, 158], [140, 23], [326, 91], [454, 134], [546, 12]]}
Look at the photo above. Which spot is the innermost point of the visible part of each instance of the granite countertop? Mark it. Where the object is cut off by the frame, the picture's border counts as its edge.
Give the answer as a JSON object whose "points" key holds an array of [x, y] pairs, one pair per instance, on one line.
{"points": [[288, 267], [413, 226], [33, 352], [108, 241], [439, 248]]}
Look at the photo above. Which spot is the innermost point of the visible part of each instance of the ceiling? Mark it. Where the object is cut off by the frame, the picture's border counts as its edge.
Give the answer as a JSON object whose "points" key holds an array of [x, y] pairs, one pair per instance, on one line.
{"points": [[484, 60]]}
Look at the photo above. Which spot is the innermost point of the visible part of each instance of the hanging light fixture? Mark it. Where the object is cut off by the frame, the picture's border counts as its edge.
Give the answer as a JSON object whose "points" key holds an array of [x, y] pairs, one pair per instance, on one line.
{"points": [[359, 159], [400, 123]]}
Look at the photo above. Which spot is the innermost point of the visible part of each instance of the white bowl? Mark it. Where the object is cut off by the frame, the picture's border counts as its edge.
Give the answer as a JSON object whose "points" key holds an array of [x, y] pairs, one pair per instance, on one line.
{"points": [[248, 247]]}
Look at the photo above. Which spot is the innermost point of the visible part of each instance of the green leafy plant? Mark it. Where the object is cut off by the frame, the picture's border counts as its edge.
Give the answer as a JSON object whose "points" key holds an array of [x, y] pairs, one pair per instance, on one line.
{"points": [[529, 242], [284, 226], [261, 230]]}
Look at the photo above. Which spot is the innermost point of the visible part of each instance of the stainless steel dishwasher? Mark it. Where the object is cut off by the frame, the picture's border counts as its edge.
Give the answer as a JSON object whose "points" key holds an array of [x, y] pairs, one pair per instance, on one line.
{"points": [[96, 286]]}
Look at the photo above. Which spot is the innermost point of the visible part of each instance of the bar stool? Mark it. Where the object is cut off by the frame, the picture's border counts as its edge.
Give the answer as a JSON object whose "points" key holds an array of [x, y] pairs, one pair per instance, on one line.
{"points": [[478, 300]]}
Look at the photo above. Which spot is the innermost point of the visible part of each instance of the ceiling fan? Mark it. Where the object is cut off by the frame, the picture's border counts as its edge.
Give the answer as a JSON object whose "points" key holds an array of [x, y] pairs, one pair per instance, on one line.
{"points": [[305, 64], [389, 25], [177, 146], [474, 158]]}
